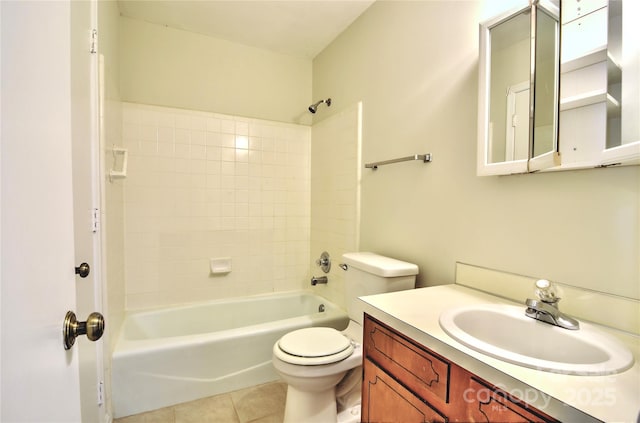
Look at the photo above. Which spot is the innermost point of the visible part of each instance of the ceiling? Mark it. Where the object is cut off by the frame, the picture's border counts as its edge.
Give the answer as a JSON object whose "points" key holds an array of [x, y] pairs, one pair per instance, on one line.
{"points": [[301, 28]]}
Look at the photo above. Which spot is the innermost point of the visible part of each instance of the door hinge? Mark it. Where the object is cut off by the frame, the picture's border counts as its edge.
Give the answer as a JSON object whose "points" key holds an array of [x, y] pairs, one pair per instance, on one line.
{"points": [[100, 393], [95, 220], [94, 41]]}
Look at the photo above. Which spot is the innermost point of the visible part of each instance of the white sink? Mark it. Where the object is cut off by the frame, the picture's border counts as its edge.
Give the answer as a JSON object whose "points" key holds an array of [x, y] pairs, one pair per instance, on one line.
{"points": [[504, 332]]}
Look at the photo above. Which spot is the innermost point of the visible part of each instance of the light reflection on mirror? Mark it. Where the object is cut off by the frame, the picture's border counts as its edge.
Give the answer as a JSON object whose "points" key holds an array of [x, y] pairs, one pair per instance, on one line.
{"points": [[624, 83]]}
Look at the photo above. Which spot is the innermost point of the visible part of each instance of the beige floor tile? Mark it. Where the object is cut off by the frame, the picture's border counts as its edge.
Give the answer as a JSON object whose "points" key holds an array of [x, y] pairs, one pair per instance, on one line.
{"points": [[207, 410], [263, 403], [257, 404], [162, 415], [274, 418]]}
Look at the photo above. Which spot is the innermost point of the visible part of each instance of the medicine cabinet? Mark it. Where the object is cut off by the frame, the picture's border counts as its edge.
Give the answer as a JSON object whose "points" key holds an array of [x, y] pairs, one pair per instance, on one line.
{"points": [[600, 83], [585, 107], [518, 96]]}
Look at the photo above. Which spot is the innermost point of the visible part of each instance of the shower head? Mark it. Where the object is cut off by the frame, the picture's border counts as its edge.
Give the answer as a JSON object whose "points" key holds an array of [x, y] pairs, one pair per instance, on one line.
{"points": [[314, 107]]}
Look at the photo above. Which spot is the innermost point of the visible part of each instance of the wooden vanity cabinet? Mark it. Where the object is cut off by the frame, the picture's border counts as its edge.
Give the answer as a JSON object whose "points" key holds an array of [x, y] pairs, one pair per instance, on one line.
{"points": [[406, 382]]}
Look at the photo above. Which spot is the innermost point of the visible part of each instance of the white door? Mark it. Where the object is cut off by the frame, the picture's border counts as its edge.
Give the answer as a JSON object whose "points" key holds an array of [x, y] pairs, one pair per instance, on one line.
{"points": [[40, 380]]}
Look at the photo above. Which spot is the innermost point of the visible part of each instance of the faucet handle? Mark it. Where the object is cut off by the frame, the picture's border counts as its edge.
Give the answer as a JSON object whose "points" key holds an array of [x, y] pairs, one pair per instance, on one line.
{"points": [[546, 291], [324, 262]]}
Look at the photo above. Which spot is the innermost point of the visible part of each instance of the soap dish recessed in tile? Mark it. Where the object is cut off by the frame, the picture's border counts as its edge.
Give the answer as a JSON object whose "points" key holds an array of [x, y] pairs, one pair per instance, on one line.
{"points": [[220, 265]]}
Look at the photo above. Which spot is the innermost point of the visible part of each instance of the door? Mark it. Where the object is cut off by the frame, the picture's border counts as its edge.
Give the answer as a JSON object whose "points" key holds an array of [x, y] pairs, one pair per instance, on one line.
{"points": [[386, 400], [39, 380]]}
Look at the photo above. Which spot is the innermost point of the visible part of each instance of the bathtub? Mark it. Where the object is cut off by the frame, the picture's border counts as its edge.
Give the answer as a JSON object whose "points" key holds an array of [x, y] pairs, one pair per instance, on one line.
{"points": [[172, 355]]}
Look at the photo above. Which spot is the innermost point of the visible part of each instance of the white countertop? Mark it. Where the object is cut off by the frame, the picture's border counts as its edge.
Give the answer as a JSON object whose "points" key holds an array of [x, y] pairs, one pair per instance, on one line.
{"points": [[610, 398]]}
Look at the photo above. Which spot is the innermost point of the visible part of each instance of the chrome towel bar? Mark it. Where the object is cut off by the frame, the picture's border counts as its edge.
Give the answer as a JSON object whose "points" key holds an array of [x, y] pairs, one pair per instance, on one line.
{"points": [[424, 157]]}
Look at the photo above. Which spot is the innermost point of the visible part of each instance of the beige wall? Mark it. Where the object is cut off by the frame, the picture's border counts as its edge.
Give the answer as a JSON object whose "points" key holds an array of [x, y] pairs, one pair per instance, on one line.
{"points": [[414, 66], [174, 68]]}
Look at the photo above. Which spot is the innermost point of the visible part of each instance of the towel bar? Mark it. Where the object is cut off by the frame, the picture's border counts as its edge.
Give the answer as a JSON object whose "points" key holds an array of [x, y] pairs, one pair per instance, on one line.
{"points": [[424, 157]]}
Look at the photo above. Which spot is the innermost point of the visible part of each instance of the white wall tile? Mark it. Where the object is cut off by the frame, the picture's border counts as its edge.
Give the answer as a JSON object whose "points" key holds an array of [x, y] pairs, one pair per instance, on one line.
{"points": [[198, 189], [334, 215]]}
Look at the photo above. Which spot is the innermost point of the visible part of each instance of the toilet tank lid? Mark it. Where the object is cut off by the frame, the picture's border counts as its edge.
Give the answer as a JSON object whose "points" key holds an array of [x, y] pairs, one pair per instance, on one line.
{"points": [[379, 265]]}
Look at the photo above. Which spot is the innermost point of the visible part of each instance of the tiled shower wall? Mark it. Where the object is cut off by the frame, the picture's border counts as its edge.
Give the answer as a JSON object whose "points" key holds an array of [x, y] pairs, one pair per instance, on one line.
{"points": [[335, 183], [203, 185]]}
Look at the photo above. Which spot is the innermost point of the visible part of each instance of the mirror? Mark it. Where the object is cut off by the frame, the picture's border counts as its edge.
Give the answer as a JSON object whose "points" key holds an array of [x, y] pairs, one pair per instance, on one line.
{"points": [[517, 131], [510, 73], [545, 129], [623, 131]]}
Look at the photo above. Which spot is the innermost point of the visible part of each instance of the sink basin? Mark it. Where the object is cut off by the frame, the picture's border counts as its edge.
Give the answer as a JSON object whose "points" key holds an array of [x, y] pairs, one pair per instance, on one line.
{"points": [[504, 332]]}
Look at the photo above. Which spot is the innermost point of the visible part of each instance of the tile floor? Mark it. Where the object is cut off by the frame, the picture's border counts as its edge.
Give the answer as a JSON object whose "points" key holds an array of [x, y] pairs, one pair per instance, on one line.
{"points": [[257, 404]]}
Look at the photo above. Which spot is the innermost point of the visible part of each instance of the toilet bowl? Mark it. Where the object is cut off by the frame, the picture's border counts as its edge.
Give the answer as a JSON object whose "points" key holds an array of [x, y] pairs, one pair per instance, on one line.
{"points": [[312, 362], [320, 363]]}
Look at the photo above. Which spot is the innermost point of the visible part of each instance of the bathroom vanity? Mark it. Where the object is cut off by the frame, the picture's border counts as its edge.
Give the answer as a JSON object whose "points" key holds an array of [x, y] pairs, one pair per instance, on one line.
{"points": [[405, 381], [414, 371]]}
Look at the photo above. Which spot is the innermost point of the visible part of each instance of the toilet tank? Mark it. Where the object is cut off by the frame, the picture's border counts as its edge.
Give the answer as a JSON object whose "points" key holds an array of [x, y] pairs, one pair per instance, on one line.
{"points": [[370, 273]]}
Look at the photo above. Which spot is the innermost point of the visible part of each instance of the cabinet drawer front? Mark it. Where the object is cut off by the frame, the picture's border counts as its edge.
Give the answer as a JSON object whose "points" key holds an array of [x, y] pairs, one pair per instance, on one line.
{"points": [[486, 403], [421, 371], [385, 400]]}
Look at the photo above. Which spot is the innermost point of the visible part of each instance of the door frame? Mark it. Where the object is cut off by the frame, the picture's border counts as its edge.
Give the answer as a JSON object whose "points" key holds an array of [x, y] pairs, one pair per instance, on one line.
{"points": [[87, 200]]}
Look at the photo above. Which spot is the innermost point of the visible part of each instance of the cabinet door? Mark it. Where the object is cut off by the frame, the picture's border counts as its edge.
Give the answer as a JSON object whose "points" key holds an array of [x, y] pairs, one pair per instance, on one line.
{"points": [[420, 370], [485, 403], [385, 400]]}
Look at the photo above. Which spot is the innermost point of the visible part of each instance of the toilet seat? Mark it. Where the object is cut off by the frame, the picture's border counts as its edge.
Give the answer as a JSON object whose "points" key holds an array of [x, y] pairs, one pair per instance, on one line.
{"points": [[313, 346]]}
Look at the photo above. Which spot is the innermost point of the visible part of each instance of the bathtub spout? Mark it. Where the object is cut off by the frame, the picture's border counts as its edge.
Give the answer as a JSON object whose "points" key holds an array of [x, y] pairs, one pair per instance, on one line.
{"points": [[321, 279]]}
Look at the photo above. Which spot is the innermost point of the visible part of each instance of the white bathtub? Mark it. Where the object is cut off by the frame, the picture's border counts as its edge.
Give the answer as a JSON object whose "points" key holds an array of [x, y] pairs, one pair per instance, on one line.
{"points": [[168, 356]]}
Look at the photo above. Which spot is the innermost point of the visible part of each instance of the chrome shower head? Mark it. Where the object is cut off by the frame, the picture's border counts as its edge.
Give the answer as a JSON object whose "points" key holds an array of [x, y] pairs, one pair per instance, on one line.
{"points": [[314, 107]]}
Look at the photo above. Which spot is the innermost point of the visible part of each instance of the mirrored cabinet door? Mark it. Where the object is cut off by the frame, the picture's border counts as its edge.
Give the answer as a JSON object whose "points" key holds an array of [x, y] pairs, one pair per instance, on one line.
{"points": [[504, 101], [518, 91], [546, 44], [623, 123]]}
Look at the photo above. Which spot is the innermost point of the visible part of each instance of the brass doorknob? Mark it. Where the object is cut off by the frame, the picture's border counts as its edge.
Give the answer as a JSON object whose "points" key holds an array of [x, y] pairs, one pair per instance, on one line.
{"points": [[93, 327]]}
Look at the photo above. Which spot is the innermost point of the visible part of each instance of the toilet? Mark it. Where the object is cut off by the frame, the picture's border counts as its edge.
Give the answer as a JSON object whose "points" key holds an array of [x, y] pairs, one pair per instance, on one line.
{"points": [[319, 364]]}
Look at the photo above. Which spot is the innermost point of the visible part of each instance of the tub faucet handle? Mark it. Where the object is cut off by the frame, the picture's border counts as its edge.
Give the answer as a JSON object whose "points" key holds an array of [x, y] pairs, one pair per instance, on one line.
{"points": [[324, 262]]}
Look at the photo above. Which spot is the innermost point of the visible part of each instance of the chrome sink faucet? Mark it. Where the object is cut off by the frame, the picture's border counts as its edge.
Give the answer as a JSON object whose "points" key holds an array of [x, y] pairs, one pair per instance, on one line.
{"points": [[546, 309]]}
